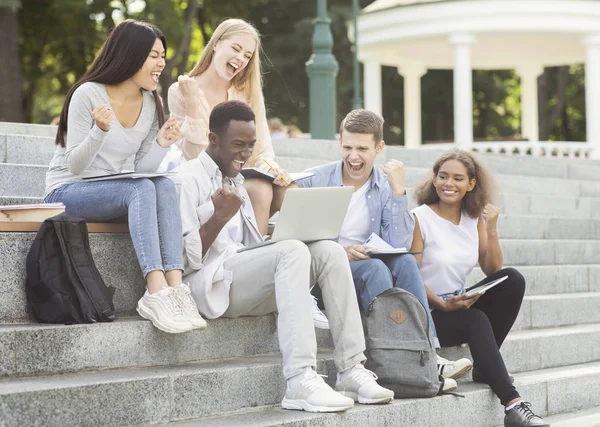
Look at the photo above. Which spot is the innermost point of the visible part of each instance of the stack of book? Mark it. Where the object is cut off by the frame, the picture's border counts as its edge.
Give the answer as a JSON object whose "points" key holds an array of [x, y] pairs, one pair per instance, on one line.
{"points": [[24, 218]]}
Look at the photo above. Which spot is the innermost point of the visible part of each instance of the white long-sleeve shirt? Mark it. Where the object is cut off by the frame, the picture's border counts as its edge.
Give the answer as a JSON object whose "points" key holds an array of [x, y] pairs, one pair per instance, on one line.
{"points": [[196, 181]]}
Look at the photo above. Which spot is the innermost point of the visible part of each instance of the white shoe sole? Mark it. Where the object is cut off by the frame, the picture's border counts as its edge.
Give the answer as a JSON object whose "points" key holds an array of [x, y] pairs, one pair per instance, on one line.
{"points": [[364, 400], [303, 405], [460, 373], [197, 324], [148, 314], [448, 388]]}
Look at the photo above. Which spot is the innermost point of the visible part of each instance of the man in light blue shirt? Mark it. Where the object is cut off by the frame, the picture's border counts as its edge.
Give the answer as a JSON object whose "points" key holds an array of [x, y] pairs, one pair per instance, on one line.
{"points": [[379, 205]]}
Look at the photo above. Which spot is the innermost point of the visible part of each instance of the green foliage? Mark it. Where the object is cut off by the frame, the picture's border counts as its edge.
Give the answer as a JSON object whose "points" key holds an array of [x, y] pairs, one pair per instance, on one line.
{"points": [[59, 39]]}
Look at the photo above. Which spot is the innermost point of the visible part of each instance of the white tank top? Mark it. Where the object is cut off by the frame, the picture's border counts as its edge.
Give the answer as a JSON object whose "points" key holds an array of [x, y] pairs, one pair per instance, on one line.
{"points": [[450, 251]]}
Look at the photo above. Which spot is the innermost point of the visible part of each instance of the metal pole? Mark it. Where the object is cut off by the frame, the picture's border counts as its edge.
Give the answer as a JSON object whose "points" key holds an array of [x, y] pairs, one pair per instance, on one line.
{"points": [[322, 69], [357, 99]]}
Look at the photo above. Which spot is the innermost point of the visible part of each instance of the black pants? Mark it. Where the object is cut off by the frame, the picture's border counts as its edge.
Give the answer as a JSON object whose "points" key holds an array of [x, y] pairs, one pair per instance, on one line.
{"points": [[484, 327]]}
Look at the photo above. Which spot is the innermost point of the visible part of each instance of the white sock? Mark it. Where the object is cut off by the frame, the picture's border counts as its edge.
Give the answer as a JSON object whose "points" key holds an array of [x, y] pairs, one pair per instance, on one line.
{"points": [[509, 407], [297, 379]]}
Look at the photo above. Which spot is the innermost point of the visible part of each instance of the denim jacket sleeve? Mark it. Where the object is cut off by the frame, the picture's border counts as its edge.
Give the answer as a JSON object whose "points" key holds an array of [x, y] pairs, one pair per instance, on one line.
{"points": [[397, 222]]}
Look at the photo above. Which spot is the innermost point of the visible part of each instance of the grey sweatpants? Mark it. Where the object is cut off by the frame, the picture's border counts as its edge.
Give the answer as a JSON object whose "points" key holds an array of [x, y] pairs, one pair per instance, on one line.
{"points": [[278, 278]]}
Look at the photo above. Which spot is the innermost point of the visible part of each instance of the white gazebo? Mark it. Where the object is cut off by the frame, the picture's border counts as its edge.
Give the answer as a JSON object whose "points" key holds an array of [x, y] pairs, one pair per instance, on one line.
{"points": [[525, 35]]}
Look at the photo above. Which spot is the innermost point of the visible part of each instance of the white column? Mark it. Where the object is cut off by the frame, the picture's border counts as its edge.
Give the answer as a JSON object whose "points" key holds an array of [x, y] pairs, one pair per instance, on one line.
{"points": [[592, 93], [463, 90], [372, 86], [412, 74], [529, 73]]}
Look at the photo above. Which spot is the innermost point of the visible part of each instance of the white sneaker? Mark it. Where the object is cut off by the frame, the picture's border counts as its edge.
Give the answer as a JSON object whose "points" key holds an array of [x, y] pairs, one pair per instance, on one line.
{"points": [[188, 305], [453, 369], [314, 395], [449, 385], [359, 384], [319, 319], [164, 310]]}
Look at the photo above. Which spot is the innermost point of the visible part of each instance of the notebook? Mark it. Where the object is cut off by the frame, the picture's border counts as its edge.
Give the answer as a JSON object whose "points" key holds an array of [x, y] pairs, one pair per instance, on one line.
{"points": [[127, 175], [250, 173], [482, 286], [32, 212]]}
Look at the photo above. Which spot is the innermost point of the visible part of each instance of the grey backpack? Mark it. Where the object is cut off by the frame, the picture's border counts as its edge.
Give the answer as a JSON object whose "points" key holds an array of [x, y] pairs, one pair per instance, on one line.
{"points": [[400, 347]]}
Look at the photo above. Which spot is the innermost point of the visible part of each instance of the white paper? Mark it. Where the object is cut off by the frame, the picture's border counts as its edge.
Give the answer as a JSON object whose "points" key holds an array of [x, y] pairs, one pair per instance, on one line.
{"points": [[374, 241]]}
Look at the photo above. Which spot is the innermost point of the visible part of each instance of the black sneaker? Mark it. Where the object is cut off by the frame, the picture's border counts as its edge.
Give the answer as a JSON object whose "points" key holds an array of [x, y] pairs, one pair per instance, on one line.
{"points": [[522, 416], [478, 377]]}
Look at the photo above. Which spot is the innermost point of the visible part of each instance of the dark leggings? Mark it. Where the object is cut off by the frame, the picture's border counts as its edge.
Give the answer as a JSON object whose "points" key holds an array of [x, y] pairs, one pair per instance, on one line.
{"points": [[484, 327]]}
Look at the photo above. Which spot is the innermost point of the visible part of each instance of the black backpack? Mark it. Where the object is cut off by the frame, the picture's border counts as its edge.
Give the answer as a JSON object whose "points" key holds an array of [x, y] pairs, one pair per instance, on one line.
{"points": [[63, 283]]}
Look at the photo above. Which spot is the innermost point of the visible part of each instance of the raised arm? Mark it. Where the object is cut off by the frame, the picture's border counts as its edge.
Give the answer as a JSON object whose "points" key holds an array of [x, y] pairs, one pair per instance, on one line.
{"points": [[490, 253], [397, 223], [156, 145], [87, 127], [192, 111]]}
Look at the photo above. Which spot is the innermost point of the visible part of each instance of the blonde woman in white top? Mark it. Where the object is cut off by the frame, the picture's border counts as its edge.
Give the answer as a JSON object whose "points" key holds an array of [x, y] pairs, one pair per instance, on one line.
{"points": [[455, 227], [229, 69]]}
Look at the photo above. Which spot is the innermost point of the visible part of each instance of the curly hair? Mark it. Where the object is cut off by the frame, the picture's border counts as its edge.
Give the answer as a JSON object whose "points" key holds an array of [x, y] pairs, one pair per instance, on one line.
{"points": [[476, 199]]}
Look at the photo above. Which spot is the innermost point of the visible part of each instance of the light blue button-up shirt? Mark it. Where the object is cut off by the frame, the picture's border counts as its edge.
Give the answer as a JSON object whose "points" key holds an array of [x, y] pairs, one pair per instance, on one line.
{"points": [[389, 216]]}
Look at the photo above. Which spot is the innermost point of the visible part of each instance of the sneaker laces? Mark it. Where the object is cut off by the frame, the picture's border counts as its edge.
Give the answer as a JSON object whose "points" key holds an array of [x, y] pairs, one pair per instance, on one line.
{"points": [[361, 374], [186, 300], [313, 381], [173, 302], [525, 409]]}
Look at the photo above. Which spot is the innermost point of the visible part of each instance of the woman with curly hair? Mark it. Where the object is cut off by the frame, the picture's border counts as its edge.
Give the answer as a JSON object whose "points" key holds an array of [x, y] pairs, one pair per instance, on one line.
{"points": [[455, 228]]}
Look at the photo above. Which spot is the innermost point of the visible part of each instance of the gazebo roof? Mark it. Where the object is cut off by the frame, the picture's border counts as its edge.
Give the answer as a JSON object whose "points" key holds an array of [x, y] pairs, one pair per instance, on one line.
{"points": [[505, 33], [388, 4]]}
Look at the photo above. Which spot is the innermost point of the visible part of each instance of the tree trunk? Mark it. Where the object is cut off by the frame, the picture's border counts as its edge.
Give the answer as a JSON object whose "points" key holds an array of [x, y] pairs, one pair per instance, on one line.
{"points": [[11, 83], [179, 61], [561, 101]]}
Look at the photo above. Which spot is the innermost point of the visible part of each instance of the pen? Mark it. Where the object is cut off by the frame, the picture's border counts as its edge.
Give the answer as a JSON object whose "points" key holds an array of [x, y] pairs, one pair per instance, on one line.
{"points": [[271, 168]]}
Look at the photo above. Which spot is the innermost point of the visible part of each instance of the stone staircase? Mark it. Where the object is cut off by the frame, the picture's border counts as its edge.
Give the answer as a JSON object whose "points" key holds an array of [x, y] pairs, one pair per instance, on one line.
{"points": [[129, 373]]}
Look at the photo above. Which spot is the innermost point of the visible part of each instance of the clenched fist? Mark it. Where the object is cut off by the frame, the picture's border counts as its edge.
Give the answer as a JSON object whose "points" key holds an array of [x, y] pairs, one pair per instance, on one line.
{"points": [[394, 169], [490, 216], [102, 117], [188, 88], [168, 133], [227, 202]]}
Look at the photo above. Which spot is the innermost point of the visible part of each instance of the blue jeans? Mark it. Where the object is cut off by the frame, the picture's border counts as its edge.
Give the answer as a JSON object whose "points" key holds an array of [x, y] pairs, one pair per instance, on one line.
{"points": [[373, 276], [151, 208]]}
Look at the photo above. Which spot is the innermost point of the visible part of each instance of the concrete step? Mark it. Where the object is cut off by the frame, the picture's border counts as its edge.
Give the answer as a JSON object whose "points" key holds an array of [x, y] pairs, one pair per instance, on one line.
{"points": [[28, 180], [584, 418], [28, 129], [115, 258], [528, 350], [37, 349], [551, 279], [549, 311], [26, 349], [551, 391], [28, 149], [9, 200], [144, 395], [567, 168]]}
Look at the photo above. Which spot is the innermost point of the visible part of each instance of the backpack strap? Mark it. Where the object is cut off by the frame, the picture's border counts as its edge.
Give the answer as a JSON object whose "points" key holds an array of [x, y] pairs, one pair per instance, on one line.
{"points": [[100, 294], [77, 314], [92, 292]]}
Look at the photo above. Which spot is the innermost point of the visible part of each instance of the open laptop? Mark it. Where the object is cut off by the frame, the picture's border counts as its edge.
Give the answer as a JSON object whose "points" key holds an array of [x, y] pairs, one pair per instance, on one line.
{"points": [[310, 214]]}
